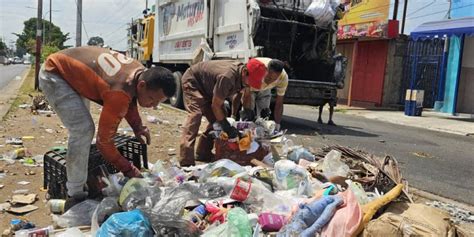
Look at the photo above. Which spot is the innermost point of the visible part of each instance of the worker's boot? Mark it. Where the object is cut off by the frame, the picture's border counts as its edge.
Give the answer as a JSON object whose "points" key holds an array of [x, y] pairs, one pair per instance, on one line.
{"points": [[75, 199], [204, 147]]}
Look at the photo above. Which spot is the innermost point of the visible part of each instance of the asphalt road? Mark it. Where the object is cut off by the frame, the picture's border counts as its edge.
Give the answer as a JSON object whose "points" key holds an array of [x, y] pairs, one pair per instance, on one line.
{"points": [[446, 167], [10, 72]]}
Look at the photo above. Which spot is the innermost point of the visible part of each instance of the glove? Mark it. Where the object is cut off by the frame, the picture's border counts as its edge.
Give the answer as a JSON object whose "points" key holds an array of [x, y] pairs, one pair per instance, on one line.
{"points": [[247, 115], [266, 113], [133, 172], [231, 131], [143, 131]]}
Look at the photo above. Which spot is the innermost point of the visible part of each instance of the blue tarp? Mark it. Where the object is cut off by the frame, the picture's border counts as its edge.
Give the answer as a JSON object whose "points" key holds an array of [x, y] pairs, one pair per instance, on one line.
{"points": [[456, 27]]}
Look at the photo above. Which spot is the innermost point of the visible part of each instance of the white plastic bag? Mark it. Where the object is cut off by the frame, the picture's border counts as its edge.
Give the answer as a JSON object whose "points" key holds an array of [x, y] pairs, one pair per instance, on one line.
{"points": [[333, 166], [322, 11]]}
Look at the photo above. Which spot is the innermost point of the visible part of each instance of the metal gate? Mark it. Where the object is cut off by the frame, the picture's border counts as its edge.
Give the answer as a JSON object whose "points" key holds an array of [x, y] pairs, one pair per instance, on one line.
{"points": [[422, 64]]}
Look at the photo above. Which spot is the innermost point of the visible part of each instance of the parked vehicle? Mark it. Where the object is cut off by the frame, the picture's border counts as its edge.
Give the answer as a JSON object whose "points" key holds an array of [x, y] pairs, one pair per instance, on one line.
{"points": [[27, 62], [180, 33], [17, 60], [4, 60]]}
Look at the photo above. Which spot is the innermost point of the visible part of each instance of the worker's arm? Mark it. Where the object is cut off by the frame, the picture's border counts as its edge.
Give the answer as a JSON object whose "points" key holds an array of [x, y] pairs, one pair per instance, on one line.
{"points": [[278, 110], [218, 107], [134, 120], [115, 107], [247, 98], [236, 103]]}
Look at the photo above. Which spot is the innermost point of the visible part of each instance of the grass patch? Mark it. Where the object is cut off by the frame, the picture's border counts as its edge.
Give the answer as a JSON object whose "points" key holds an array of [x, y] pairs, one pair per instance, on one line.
{"points": [[26, 89], [340, 110]]}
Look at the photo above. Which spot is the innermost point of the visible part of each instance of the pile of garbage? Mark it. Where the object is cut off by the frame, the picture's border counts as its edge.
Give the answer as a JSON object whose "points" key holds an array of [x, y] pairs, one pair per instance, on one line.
{"points": [[332, 191]]}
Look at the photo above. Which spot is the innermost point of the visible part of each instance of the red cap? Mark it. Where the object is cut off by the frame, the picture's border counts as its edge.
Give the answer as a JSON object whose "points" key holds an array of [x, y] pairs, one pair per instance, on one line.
{"points": [[257, 71]]}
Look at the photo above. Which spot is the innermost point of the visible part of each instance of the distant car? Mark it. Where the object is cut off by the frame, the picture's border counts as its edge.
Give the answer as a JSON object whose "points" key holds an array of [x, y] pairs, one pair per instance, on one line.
{"points": [[17, 61], [27, 62], [4, 60]]}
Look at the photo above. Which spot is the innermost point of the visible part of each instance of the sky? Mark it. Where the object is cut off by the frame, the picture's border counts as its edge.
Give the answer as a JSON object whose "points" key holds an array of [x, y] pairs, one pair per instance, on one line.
{"points": [[108, 18]]}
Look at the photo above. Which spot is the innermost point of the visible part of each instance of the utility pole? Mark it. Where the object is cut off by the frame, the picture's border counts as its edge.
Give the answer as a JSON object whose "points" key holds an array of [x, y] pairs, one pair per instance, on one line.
{"points": [[39, 20], [395, 10], [405, 5], [50, 20], [79, 24]]}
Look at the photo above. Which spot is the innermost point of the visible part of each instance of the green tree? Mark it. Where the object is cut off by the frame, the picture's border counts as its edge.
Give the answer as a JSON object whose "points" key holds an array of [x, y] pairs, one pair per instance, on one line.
{"points": [[96, 41], [47, 50], [3, 48], [52, 34]]}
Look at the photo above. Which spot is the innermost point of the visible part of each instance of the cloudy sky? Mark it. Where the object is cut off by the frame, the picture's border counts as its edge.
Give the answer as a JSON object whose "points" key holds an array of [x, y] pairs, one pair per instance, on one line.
{"points": [[108, 18]]}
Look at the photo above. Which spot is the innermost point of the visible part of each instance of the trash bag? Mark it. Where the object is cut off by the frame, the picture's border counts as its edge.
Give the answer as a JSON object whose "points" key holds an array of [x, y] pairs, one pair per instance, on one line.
{"points": [[223, 167], [300, 153], [347, 218], [239, 224], [125, 224], [333, 166], [166, 225], [410, 219], [106, 208], [78, 215], [322, 12], [289, 175], [133, 185]]}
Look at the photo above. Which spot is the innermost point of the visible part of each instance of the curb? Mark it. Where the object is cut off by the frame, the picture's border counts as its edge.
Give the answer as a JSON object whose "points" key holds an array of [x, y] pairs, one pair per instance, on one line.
{"points": [[14, 91], [465, 134], [434, 197]]}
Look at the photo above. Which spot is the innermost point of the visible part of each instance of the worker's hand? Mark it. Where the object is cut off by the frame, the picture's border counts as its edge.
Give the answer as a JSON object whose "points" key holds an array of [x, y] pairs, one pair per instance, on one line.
{"points": [[143, 131], [227, 128], [133, 172], [247, 115]]}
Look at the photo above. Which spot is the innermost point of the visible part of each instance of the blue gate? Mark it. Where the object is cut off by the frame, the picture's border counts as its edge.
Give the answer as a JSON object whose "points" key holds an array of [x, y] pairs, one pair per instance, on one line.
{"points": [[423, 69]]}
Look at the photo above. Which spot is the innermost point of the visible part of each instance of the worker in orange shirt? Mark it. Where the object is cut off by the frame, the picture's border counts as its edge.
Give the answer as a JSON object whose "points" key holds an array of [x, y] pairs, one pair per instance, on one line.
{"points": [[116, 82]]}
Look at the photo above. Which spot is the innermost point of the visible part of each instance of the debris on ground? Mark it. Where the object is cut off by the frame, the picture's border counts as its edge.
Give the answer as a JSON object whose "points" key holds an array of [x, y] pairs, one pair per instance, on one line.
{"points": [[458, 215], [40, 103]]}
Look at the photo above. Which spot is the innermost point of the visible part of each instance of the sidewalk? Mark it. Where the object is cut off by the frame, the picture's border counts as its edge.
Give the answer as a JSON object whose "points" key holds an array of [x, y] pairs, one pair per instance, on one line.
{"points": [[461, 125]]}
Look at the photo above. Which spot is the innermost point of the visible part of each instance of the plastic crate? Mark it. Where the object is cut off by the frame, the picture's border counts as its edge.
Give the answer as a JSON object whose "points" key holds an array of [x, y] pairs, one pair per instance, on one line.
{"points": [[55, 175]]}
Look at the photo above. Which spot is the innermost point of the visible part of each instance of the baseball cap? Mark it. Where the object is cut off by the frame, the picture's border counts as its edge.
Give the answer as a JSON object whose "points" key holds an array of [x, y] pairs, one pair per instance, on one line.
{"points": [[257, 71]]}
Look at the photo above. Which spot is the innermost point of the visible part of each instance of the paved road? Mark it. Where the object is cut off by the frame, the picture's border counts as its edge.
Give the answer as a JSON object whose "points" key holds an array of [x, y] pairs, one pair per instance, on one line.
{"points": [[10, 72], [447, 171]]}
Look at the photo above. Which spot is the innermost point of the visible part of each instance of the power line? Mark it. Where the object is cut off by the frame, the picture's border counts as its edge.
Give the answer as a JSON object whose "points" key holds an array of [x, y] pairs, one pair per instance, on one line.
{"points": [[424, 7]]}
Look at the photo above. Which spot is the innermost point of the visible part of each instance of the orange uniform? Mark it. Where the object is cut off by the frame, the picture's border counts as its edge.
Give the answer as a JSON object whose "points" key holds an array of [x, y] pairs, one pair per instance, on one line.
{"points": [[107, 78]]}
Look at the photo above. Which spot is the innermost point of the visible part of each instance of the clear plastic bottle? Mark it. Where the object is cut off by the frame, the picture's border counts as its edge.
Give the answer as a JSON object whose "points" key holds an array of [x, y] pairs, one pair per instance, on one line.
{"points": [[43, 232]]}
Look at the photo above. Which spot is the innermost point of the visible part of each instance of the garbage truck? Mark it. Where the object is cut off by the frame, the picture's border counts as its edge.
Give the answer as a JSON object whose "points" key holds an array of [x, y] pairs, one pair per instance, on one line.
{"points": [[179, 33]]}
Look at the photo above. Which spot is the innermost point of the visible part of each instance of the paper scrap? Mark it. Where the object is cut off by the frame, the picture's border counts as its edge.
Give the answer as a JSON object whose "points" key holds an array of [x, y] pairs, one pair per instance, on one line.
{"points": [[23, 209], [24, 198], [23, 182]]}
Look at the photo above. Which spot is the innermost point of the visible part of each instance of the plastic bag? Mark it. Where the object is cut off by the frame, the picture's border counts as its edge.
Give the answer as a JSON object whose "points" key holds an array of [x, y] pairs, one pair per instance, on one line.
{"points": [[322, 11], [289, 175], [333, 166], [221, 168], [167, 225], [132, 223], [132, 186], [106, 208], [79, 215], [301, 153], [239, 225]]}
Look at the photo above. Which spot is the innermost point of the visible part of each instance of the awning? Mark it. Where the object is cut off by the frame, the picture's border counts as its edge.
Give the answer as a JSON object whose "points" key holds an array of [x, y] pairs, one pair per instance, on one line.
{"points": [[456, 27]]}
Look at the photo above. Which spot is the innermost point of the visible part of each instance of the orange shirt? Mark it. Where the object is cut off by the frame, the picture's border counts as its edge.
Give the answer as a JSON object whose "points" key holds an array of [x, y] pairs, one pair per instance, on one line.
{"points": [[106, 77]]}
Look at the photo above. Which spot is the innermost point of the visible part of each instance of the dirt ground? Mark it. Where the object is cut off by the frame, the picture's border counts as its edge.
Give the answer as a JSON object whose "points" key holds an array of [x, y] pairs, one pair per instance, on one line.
{"points": [[22, 122]]}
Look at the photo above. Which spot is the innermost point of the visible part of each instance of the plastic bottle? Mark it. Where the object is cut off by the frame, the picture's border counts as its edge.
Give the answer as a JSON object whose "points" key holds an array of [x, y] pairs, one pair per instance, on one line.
{"points": [[56, 205], [197, 214], [358, 191], [43, 232]]}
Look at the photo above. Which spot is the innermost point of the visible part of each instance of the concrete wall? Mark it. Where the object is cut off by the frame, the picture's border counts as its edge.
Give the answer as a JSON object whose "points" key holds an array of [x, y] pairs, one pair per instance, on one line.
{"points": [[465, 103], [394, 71]]}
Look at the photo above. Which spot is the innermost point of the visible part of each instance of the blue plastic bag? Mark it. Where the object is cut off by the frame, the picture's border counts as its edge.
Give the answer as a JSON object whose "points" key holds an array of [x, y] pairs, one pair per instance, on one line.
{"points": [[124, 224]]}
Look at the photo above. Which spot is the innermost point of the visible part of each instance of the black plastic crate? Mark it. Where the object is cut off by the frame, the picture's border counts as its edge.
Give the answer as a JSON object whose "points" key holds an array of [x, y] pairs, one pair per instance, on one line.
{"points": [[55, 166]]}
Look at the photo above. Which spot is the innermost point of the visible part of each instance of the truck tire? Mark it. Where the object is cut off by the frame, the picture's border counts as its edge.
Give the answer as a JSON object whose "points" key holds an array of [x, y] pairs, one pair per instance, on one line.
{"points": [[177, 99]]}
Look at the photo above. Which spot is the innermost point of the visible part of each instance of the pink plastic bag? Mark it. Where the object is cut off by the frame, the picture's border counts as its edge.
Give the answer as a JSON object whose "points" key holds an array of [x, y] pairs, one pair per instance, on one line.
{"points": [[347, 218], [271, 222]]}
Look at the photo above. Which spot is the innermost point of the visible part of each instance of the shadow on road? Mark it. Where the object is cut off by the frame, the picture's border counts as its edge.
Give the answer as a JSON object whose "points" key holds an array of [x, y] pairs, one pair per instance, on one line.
{"points": [[309, 127]]}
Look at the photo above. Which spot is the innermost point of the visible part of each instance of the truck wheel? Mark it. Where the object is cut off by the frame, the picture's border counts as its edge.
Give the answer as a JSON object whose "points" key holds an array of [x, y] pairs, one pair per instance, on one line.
{"points": [[177, 99]]}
